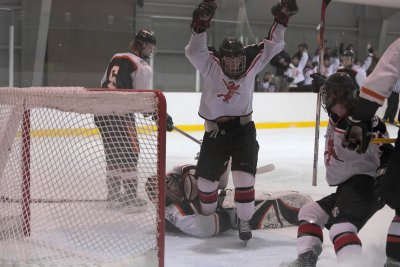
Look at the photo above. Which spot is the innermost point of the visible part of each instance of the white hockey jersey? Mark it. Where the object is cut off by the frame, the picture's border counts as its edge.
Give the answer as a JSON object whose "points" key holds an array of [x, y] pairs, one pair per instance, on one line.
{"points": [[127, 71], [222, 96], [379, 83], [342, 163]]}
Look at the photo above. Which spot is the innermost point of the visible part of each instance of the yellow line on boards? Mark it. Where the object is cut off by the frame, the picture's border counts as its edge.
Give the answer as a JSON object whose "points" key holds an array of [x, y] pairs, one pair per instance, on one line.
{"points": [[82, 132]]}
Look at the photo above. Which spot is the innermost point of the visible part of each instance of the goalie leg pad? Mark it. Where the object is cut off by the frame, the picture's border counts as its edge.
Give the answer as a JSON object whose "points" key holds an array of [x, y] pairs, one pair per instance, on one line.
{"points": [[345, 240]]}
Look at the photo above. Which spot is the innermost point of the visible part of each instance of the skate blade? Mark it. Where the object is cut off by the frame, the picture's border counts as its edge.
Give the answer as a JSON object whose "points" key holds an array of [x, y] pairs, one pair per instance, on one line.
{"points": [[244, 243], [134, 209]]}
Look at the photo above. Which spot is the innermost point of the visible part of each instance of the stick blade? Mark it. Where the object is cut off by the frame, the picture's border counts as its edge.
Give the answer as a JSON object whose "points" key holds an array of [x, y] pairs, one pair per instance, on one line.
{"points": [[265, 169]]}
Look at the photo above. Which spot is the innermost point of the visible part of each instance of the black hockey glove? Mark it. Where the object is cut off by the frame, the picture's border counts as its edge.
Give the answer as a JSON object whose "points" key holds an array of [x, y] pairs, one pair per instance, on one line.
{"points": [[318, 81], [202, 15], [370, 50], [170, 124], [284, 10], [358, 135]]}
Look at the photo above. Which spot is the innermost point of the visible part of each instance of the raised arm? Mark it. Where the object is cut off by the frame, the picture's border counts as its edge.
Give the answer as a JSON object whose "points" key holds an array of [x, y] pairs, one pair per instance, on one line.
{"points": [[196, 50]]}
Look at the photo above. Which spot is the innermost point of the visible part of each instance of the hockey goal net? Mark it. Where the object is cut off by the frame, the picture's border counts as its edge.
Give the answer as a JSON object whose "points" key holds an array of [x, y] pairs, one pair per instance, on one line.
{"points": [[55, 208]]}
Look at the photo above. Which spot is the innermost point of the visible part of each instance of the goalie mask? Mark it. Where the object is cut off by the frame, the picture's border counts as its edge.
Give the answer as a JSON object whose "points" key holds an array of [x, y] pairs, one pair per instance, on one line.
{"points": [[173, 188], [339, 88], [174, 184], [144, 43], [233, 58]]}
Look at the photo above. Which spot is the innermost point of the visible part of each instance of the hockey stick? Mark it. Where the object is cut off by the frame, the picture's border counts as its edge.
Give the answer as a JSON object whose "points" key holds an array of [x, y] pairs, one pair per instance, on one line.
{"points": [[318, 108], [187, 135], [4, 199], [265, 169], [382, 140]]}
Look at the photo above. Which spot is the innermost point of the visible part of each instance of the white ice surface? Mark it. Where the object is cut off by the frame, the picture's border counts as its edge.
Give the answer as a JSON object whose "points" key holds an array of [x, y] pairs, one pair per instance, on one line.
{"points": [[291, 150]]}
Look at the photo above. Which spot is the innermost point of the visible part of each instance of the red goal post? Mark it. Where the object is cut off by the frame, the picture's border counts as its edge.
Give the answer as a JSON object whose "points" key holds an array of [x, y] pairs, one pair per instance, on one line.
{"points": [[54, 205]]}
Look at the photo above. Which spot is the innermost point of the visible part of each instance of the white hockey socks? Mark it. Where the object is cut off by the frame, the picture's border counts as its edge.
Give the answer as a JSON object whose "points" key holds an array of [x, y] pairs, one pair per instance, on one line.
{"points": [[208, 195], [345, 240], [244, 194]]}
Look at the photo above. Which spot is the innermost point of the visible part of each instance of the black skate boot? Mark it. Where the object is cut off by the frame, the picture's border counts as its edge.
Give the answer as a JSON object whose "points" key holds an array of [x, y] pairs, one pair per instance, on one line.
{"points": [[390, 262], [244, 230], [307, 259]]}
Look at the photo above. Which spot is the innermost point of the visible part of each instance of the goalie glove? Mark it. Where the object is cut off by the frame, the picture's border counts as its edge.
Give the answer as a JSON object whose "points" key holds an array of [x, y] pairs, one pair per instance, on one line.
{"points": [[358, 135], [318, 81], [202, 16], [170, 124], [284, 10]]}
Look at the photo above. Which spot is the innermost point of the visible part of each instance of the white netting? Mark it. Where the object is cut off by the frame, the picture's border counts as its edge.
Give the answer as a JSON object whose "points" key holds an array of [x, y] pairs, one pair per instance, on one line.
{"points": [[55, 206]]}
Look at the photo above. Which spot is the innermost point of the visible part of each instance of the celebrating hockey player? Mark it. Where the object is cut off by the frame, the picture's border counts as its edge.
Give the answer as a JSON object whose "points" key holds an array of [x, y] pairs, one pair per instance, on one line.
{"points": [[378, 86], [125, 71], [346, 211], [356, 72], [275, 210], [226, 105]]}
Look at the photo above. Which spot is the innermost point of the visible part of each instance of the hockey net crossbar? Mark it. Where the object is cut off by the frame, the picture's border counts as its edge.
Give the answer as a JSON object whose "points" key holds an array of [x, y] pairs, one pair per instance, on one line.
{"points": [[55, 204]]}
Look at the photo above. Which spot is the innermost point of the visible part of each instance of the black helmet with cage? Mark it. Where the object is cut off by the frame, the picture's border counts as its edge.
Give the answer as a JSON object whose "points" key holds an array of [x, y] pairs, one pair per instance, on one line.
{"points": [[348, 58], [142, 38], [233, 57], [339, 88]]}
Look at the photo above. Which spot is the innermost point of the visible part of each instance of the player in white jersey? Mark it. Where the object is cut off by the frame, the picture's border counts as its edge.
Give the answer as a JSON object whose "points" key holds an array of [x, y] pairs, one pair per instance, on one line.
{"points": [[346, 211], [355, 71], [273, 210], [226, 105], [377, 87], [125, 71]]}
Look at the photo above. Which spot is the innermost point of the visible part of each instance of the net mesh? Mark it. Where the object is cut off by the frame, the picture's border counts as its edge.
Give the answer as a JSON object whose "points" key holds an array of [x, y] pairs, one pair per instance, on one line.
{"points": [[73, 170]]}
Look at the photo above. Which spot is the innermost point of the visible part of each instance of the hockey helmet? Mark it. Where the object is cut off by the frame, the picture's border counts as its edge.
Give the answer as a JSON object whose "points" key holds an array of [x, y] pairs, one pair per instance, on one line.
{"points": [[143, 38], [348, 58], [233, 57], [339, 88]]}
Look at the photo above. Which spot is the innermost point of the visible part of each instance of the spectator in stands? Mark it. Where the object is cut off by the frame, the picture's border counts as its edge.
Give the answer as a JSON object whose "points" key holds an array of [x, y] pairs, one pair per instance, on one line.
{"points": [[296, 68], [266, 84], [281, 63]]}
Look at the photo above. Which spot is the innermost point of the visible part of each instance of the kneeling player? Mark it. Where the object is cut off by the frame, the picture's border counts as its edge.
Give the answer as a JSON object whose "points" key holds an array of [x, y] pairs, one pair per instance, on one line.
{"points": [[346, 211], [182, 206]]}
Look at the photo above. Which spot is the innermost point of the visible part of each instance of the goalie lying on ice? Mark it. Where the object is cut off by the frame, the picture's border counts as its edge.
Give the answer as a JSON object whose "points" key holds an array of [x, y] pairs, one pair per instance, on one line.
{"points": [[272, 210]]}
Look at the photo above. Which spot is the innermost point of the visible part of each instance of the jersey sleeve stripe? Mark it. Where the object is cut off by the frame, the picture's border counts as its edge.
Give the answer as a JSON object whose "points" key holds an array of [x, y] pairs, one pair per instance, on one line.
{"points": [[372, 94]]}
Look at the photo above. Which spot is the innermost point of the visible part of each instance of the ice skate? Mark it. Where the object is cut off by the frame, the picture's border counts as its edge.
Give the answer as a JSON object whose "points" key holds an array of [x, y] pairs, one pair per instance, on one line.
{"points": [[390, 262], [133, 204], [244, 231], [307, 259]]}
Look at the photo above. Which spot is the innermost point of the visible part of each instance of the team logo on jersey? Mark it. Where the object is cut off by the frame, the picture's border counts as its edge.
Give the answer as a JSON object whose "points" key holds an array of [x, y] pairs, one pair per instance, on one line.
{"points": [[330, 152], [335, 212], [232, 88]]}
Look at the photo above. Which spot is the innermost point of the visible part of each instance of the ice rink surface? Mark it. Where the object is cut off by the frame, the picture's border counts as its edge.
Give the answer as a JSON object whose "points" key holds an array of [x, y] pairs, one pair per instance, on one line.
{"points": [[291, 150]]}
